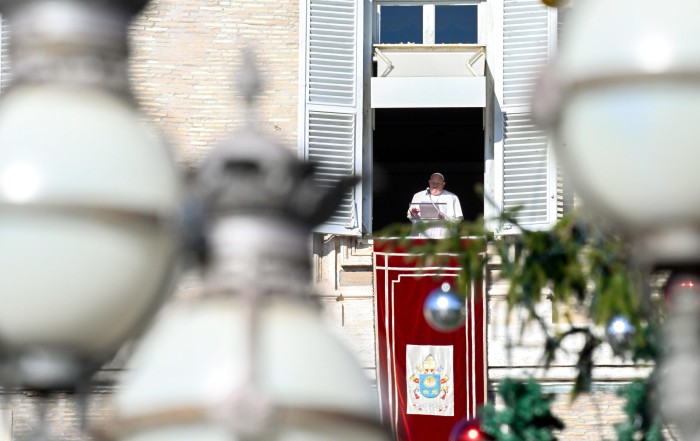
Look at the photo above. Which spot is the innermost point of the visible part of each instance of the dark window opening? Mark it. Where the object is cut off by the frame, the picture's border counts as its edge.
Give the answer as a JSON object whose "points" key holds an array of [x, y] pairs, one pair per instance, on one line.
{"points": [[410, 144]]}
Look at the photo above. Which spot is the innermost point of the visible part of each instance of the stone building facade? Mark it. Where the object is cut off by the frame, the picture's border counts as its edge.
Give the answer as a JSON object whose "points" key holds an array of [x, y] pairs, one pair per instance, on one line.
{"points": [[185, 56]]}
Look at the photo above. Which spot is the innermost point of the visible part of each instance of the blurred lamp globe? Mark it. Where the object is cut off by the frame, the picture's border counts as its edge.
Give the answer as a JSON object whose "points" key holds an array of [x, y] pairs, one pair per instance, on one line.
{"points": [[87, 238], [89, 195], [251, 358], [623, 105], [622, 96]]}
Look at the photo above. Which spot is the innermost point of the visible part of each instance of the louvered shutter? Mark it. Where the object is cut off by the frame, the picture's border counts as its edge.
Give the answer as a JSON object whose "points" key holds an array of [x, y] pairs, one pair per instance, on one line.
{"points": [[4, 54], [525, 169], [332, 107], [529, 176]]}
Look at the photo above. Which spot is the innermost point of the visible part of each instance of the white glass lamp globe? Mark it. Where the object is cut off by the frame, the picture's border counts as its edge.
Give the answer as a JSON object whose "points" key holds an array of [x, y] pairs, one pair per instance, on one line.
{"points": [[629, 77], [90, 200], [210, 371]]}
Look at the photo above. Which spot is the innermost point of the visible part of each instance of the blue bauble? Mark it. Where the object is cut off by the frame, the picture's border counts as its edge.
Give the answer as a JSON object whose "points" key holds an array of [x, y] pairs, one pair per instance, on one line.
{"points": [[620, 334]]}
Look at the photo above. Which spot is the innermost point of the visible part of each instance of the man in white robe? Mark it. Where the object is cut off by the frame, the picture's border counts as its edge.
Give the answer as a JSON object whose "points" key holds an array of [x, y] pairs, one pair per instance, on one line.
{"points": [[445, 210]]}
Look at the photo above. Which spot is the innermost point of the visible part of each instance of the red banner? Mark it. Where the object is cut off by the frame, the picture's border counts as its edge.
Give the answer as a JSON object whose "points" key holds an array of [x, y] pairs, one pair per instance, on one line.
{"points": [[428, 380]]}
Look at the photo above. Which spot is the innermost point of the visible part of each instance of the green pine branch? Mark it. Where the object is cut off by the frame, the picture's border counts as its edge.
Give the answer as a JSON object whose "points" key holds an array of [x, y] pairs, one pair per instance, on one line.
{"points": [[526, 413]]}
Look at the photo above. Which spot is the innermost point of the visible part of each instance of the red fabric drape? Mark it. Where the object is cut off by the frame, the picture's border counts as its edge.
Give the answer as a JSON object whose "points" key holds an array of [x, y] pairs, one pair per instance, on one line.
{"points": [[401, 289]]}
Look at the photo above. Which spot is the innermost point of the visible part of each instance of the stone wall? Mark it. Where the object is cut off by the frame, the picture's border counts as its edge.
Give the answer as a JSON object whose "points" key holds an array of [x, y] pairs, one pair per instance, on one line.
{"points": [[591, 416], [63, 416], [186, 55]]}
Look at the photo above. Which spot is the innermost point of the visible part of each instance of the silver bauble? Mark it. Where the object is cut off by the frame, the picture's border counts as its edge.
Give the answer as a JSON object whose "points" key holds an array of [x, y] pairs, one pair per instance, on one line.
{"points": [[444, 310], [620, 334]]}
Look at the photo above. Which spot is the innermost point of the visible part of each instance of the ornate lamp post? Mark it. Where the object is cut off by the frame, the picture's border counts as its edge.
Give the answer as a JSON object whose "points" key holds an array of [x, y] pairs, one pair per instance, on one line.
{"points": [[252, 359], [622, 96], [89, 195]]}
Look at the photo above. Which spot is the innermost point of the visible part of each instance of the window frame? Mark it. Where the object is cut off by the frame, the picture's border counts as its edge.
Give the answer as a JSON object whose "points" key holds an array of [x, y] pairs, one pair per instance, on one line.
{"points": [[429, 17]]}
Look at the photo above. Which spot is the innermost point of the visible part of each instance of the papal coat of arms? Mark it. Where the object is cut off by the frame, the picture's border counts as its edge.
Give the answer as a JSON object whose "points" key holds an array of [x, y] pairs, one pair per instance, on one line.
{"points": [[429, 383]]}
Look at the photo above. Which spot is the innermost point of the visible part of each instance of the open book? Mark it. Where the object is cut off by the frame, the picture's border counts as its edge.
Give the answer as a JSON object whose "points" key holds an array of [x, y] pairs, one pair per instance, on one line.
{"points": [[429, 211]]}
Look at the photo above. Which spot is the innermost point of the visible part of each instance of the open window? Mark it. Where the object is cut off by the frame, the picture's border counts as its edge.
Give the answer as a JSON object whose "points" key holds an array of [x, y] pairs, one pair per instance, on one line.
{"points": [[428, 95], [379, 88], [410, 144]]}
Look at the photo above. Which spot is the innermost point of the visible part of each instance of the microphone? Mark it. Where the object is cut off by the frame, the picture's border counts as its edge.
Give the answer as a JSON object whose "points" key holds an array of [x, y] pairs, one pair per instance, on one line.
{"points": [[427, 190]]}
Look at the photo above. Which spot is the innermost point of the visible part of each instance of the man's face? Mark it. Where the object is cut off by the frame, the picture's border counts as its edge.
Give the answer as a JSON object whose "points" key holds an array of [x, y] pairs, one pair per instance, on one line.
{"points": [[436, 184]]}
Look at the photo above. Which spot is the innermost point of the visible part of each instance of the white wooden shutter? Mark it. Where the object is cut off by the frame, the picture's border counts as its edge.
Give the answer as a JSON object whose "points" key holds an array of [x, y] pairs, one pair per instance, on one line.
{"points": [[4, 54], [526, 171], [332, 102], [529, 174]]}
